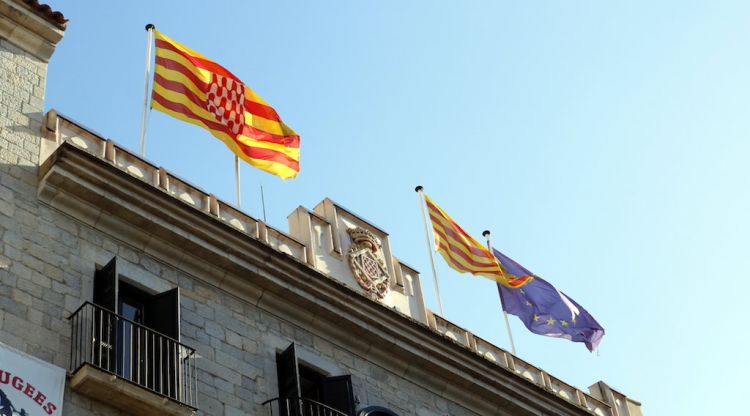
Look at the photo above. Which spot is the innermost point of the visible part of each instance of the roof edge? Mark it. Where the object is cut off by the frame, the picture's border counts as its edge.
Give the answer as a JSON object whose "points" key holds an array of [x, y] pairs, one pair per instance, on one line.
{"points": [[45, 11]]}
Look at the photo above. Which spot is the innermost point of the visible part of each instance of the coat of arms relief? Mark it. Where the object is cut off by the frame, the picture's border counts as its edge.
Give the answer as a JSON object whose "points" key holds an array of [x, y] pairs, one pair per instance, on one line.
{"points": [[367, 262]]}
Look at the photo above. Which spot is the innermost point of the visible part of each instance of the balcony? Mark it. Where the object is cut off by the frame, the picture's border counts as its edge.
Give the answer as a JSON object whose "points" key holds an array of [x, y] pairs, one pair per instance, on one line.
{"points": [[299, 406], [132, 367]]}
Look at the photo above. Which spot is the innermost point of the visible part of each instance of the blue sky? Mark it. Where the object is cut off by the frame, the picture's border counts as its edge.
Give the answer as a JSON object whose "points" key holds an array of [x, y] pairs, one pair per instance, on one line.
{"points": [[605, 145]]}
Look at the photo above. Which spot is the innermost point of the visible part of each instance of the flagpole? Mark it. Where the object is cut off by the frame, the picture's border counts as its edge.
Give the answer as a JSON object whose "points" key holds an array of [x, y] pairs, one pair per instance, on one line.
{"points": [[237, 177], [263, 203], [150, 29], [486, 234], [419, 189]]}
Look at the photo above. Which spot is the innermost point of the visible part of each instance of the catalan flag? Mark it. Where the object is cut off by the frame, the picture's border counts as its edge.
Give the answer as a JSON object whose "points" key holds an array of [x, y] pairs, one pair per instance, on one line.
{"points": [[465, 254], [195, 89]]}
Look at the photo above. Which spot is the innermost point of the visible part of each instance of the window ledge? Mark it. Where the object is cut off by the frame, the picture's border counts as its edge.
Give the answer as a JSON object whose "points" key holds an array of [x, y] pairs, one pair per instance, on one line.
{"points": [[124, 395]]}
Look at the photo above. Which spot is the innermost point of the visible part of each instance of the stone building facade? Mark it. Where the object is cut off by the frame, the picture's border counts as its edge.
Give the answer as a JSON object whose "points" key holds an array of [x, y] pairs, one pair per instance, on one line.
{"points": [[158, 298]]}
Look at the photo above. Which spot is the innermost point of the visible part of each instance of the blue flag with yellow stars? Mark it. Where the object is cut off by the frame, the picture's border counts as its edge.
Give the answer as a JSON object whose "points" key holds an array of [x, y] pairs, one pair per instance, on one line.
{"points": [[545, 310]]}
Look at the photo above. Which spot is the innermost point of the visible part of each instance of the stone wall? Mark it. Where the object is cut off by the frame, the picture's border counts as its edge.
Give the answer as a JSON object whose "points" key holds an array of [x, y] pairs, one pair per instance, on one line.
{"points": [[51, 260], [101, 184], [22, 82], [30, 306]]}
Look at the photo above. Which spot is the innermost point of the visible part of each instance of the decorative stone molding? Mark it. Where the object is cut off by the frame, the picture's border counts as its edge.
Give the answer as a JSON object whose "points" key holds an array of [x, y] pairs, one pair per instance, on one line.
{"points": [[80, 181], [22, 25], [367, 262]]}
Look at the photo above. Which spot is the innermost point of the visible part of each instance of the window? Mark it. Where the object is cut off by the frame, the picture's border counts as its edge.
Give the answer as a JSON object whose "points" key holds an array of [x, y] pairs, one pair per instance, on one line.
{"points": [[139, 332], [133, 335], [132, 308], [159, 312], [303, 390]]}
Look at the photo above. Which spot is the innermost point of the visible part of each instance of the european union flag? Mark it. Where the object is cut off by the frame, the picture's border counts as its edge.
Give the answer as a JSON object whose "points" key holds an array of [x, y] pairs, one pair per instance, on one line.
{"points": [[545, 310]]}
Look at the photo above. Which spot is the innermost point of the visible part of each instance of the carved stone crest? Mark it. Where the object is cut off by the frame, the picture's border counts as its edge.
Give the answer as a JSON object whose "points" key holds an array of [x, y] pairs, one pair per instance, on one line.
{"points": [[367, 262]]}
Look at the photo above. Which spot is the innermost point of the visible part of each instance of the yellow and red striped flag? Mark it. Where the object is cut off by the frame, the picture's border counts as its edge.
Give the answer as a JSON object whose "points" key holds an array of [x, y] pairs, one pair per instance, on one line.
{"points": [[195, 89], [465, 254]]}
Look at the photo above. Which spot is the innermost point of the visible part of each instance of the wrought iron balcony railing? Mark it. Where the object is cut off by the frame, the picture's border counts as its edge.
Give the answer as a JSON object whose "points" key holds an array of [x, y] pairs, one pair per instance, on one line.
{"points": [[133, 352], [299, 406]]}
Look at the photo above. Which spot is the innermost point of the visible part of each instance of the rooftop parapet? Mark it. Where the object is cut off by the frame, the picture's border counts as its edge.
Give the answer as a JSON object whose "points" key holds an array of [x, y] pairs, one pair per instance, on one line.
{"points": [[621, 404], [509, 362], [333, 241], [58, 129], [357, 253]]}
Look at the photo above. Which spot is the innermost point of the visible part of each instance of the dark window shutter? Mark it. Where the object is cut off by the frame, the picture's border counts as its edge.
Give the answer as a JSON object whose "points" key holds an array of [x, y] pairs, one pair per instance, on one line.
{"points": [[105, 331], [337, 393], [105, 286], [163, 313], [288, 371]]}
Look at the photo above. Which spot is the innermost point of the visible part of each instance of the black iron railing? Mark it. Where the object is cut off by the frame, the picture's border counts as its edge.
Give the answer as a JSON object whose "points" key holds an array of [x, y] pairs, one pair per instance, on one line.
{"points": [[299, 406], [133, 352]]}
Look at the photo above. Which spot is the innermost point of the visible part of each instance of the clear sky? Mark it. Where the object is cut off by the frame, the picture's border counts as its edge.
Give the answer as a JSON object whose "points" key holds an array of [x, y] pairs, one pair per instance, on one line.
{"points": [[604, 144]]}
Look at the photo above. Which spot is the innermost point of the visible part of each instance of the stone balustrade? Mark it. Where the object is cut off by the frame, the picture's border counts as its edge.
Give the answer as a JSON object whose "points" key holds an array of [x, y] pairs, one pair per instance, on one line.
{"points": [[520, 367]]}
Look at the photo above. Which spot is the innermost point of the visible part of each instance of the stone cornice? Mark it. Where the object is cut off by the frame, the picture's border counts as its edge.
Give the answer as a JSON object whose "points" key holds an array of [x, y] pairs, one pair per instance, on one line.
{"points": [[97, 192], [23, 27]]}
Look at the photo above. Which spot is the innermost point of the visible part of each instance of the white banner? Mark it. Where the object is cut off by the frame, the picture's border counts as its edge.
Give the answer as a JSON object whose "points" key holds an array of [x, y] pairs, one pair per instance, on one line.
{"points": [[28, 385]]}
